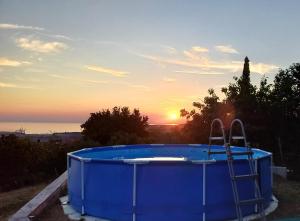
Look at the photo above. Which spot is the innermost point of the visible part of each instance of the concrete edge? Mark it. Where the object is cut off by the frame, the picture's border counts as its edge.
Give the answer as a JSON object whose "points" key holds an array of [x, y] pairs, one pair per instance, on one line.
{"points": [[74, 215], [271, 208], [42, 200]]}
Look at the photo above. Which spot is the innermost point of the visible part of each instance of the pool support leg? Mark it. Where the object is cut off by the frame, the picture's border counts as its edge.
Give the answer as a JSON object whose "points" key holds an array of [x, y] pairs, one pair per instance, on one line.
{"points": [[204, 191], [68, 176], [134, 193], [82, 188]]}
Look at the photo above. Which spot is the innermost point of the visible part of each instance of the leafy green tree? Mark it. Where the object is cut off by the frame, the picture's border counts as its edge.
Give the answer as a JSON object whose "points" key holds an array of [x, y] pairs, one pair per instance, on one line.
{"points": [[197, 128], [285, 111], [242, 100], [270, 112], [286, 93], [116, 126]]}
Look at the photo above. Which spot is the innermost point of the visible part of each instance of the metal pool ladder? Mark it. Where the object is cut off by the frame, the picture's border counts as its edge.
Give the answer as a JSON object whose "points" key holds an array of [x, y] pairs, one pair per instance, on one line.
{"points": [[212, 137], [258, 200]]}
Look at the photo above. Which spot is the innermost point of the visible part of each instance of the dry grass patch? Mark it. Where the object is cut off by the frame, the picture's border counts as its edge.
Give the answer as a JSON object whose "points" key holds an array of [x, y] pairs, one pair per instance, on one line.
{"points": [[12, 201], [288, 194]]}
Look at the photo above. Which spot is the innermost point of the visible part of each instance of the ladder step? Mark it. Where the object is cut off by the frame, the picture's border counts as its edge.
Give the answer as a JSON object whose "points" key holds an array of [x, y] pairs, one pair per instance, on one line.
{"points": [[245, 176], [241, 153], [217, 152], [216, 138], [251, 201], [238, 137]]}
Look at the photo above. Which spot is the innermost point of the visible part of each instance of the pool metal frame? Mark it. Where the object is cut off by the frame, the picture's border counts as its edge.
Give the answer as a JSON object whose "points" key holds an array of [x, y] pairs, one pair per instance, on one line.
{"points": [[135, 164]]}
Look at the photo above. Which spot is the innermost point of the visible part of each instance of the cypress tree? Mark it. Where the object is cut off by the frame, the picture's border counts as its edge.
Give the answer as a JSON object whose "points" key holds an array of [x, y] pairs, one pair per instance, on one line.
{"points": [[245, 79]]}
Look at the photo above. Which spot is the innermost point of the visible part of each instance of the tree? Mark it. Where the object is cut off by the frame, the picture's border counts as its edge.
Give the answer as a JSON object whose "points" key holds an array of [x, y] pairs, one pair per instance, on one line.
{"points": [[197, 128], [286, 114], [24, 162], [286, 91], [270, 112], [118, 126], [242, 100], [241, 94]]}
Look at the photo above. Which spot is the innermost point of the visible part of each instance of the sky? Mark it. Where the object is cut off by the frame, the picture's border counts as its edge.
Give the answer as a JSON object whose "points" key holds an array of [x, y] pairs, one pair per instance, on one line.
{"points": [[61, 60]]}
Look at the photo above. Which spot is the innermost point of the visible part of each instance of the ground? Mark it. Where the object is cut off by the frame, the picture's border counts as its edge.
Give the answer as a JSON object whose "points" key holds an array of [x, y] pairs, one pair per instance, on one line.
{"points": [[287, 192], [11, 201], [55, 213]]}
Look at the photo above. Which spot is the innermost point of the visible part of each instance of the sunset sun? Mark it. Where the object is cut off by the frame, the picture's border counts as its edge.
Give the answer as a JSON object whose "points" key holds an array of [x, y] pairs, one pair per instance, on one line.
{"points": [[173, 116]]}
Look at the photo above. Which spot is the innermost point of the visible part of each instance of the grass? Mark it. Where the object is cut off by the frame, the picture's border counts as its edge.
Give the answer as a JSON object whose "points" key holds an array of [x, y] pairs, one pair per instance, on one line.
{"points": [[288, 194], [11, 201]]}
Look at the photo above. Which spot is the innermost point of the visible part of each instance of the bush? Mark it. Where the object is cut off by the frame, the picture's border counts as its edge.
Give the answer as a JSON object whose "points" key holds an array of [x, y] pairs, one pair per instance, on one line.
{"points": [[23, 162], [117, 126]]}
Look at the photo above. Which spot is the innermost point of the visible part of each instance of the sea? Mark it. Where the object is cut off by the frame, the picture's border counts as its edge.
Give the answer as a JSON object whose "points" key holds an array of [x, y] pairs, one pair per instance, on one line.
{"points": [[51, 127], [40, 127]]}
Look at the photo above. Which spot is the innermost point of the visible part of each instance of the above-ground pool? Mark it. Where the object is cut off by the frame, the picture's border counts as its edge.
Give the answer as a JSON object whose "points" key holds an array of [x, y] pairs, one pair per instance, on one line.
{"points": [[162, 182]]}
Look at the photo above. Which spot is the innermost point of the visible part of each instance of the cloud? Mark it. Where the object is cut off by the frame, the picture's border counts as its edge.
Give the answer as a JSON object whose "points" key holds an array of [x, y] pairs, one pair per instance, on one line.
{"points": [[8, 62], [199, 49], [169, 80], [259, 68], [78, 79], [204, 63], [9, 85], [12, 63], [62, 37], [262, 68], [194, 53], [191, 55], [26, 62], [169, 49], [113, 72], [40, 46], [57, 36], [205, 66], [15, 26], [199, 72], [226, 49], [24, 27]]}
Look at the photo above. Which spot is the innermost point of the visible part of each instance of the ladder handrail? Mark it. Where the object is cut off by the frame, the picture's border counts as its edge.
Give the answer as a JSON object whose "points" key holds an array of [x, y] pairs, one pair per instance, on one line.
{"points": [[243, 131], [218, 120]]}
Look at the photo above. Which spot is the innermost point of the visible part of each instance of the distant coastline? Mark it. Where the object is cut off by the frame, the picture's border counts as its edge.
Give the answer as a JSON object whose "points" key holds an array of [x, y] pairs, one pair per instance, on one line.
{"points": [[49, 127], [40, 127]]}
